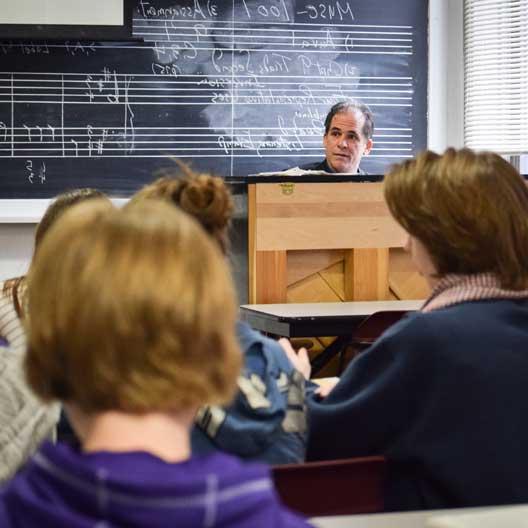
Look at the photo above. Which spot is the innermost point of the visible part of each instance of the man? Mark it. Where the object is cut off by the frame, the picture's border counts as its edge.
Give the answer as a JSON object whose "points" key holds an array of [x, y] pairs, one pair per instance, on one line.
{"points": [[349, 127]]}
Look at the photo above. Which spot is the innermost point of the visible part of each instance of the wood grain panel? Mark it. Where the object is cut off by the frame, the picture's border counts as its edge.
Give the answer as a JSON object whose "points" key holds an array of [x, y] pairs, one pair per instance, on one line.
{"points": [[302, 264], [303, 216], [366, 274], [271, 272], [276, 234], [316, 223], [335, 278], [317, 193], [404, 281], [327, 209], [408, 286], [311, 289]]}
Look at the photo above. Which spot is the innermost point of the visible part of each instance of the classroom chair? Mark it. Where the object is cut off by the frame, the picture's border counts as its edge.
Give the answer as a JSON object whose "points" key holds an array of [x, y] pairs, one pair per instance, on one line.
{"points": [[332, 487], [367, 332]]}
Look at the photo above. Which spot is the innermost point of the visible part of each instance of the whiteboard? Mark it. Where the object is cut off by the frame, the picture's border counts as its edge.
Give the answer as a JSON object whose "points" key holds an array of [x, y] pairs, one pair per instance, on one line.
{"points": [[62, 12]]}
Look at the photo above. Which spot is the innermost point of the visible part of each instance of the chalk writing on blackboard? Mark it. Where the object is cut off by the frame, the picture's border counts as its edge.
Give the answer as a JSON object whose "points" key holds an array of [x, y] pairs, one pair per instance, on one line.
{"points": [[235, 86]]}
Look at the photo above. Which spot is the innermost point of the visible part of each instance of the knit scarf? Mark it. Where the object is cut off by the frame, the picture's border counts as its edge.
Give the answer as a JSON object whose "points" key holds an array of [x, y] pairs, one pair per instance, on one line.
{"points": [[455, 289]]}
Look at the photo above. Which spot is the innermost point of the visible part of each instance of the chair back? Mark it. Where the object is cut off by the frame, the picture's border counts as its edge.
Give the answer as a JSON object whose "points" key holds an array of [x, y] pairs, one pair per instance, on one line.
{"points": [[367, 332], [332, 487], [373, 326]]}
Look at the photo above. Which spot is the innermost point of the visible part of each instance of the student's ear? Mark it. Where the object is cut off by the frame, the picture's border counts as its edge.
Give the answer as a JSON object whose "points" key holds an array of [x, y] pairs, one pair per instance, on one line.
{"points": [[368, 147]]}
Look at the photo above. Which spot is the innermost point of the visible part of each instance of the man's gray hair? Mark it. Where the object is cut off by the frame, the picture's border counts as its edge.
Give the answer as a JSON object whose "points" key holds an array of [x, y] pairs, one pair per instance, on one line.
{"points": [[352, 106]]}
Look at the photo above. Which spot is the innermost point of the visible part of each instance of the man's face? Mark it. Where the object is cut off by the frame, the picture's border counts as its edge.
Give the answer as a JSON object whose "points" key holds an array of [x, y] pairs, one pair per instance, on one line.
{"points": [[345, 144]]}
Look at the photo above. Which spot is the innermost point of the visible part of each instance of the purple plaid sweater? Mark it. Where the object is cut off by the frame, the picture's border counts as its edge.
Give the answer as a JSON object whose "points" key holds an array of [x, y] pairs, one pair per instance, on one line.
{"points": [[61, 487]]}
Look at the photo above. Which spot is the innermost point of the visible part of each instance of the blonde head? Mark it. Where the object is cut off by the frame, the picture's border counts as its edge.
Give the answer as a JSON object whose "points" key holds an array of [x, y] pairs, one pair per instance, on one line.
{"points": [[61, 203], [469, 210], [14, 288], [137, 314]]}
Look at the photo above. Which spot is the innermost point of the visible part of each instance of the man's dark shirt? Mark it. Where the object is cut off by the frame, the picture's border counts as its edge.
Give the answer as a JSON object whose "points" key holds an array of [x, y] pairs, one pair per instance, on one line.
{"points": [[323, 166]]}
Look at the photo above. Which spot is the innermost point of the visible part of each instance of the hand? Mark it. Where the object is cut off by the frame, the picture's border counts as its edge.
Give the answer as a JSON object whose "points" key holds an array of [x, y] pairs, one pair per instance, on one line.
{"points": [[326, 386], [299, 360]]}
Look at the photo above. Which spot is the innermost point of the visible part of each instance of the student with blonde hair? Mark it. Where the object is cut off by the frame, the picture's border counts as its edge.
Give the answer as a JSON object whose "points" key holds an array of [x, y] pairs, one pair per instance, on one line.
{"points": [[266, 421], [442, 394], [132, 328], [24, 421]]}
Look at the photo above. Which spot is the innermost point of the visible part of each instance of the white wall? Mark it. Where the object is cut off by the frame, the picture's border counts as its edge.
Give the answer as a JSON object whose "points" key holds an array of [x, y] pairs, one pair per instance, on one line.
{"points": [[16, 246], [446, 75], [17, 228], [446, 100]]}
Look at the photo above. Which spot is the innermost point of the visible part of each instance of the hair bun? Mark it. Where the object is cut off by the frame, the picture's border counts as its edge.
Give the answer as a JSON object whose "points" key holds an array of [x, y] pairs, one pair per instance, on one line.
{"points": [[208, 199]]}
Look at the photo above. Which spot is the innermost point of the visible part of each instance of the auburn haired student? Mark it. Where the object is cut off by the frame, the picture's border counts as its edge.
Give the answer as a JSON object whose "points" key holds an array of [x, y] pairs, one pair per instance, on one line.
{"points": [[24, 421], [133, 329], [266, 421], [13, 290], [443, 393]]}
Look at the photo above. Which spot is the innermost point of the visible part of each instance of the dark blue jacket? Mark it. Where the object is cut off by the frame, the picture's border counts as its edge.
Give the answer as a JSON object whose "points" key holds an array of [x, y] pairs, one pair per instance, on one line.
{"points": [[323, 166], [444, 396]]}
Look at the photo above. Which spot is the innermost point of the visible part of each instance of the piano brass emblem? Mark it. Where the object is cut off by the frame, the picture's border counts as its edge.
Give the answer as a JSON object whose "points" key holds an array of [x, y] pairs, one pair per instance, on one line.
{"points": [[287, 188]]}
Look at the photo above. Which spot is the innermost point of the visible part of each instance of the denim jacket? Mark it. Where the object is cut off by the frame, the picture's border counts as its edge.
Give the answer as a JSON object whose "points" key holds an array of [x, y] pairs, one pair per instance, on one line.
{"points": [[267, 419]]}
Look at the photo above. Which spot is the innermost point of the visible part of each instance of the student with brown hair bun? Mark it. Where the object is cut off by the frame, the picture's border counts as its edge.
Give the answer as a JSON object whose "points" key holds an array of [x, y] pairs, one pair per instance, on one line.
{"points": [[266, 421], [24, 421], [443, 393], [133, 330]]}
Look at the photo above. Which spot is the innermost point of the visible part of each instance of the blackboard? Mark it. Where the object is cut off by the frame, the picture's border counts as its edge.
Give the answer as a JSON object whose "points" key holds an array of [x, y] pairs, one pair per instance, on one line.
{"points": [[232, 86], [65, 19]]}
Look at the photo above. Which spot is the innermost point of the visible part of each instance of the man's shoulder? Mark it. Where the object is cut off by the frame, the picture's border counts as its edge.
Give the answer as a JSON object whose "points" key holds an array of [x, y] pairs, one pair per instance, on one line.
{"points": [[323, 166], [315, 165]]}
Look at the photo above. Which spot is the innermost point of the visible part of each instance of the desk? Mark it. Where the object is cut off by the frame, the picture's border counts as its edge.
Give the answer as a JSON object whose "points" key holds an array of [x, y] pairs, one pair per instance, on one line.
{"points": [[494, 515], [318, 319], [376, 520]]}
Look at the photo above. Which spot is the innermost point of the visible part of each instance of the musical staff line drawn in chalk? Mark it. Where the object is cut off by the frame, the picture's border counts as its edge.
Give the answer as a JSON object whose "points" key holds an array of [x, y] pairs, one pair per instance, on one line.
{"points": [[232, 88], [274, 23]]}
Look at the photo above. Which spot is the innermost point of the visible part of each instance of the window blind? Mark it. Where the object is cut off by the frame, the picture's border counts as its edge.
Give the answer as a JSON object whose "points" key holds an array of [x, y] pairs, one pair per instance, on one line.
{"points": [[496, 75]]}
